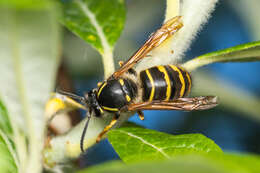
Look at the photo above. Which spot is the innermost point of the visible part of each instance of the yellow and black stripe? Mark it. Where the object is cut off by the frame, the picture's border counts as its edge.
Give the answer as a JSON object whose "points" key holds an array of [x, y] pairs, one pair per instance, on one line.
{"points": [[165, 83], [187, 79]]}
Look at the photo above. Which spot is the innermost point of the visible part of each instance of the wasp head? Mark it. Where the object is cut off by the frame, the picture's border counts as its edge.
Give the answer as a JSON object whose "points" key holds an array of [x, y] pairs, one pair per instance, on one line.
{"points": [[92, 103]]}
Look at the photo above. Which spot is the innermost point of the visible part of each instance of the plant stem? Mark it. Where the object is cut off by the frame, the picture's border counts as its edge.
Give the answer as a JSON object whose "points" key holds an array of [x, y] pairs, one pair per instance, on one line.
{"points": [[193, 64], [194, 15], [62, 148], [173, 9], [108, 63]]}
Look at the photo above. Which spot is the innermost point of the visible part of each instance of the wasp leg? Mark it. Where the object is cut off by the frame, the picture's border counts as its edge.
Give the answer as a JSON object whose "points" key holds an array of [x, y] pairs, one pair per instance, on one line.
{"points": [[141, 115], [131, 70], [108, 127]]}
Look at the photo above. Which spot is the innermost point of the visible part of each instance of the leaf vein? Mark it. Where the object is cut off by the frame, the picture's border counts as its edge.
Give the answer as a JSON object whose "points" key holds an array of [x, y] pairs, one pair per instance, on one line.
{"points": [[95, 23], [146, 142]]}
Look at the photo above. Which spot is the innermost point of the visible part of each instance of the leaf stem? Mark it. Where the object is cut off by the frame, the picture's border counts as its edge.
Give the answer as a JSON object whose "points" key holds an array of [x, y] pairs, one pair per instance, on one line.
{"points": [[193, 64], [62, 148], [245, 52], [21, 148], [173, 9], [108, 63]]}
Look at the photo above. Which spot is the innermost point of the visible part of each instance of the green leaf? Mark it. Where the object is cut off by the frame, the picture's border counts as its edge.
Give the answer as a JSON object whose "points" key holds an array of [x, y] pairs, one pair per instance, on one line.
{"points": [[5, 124], [97, 22], [241, 53], [7, 163], [29, 56], [133, 144], [211, 163], [25, 4]]}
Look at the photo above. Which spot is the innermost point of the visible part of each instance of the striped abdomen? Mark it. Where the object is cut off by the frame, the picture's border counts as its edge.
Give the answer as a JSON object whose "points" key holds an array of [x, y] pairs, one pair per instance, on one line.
{"points": [[165, 83]]}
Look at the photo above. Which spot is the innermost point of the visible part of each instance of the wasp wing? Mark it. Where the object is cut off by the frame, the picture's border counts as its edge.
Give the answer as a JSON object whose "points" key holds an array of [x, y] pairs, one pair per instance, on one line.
{"points": [[185, 104], [167, 30]]}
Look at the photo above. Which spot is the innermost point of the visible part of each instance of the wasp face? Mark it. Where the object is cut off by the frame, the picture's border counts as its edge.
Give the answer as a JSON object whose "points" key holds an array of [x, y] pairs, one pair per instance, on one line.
{"points": [[92, 103]]}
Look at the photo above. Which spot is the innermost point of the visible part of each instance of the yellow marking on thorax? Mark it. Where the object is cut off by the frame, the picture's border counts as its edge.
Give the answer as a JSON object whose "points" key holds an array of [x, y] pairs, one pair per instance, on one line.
{"points": [[181, 79], [168, 82], [121, 81], [101, 88], [128, 98], [110, 109], [152, 83]]}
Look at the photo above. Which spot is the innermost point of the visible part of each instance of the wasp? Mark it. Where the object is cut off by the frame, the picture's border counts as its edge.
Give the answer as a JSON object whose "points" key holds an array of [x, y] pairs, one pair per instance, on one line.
{"points": [[163, 87]]}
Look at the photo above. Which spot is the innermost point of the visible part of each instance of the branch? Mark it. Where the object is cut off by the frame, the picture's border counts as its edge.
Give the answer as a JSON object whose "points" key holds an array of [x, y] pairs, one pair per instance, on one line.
{"points": [[62, 148]]}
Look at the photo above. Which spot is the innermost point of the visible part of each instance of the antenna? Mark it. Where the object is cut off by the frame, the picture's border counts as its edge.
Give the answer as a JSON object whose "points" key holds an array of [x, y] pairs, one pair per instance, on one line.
{"points": [[73, 96], [84, 132]]}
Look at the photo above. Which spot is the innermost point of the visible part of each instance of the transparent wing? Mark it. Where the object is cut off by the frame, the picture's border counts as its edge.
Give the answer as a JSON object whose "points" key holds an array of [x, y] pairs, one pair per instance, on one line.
{"points": [[168, 29]]}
